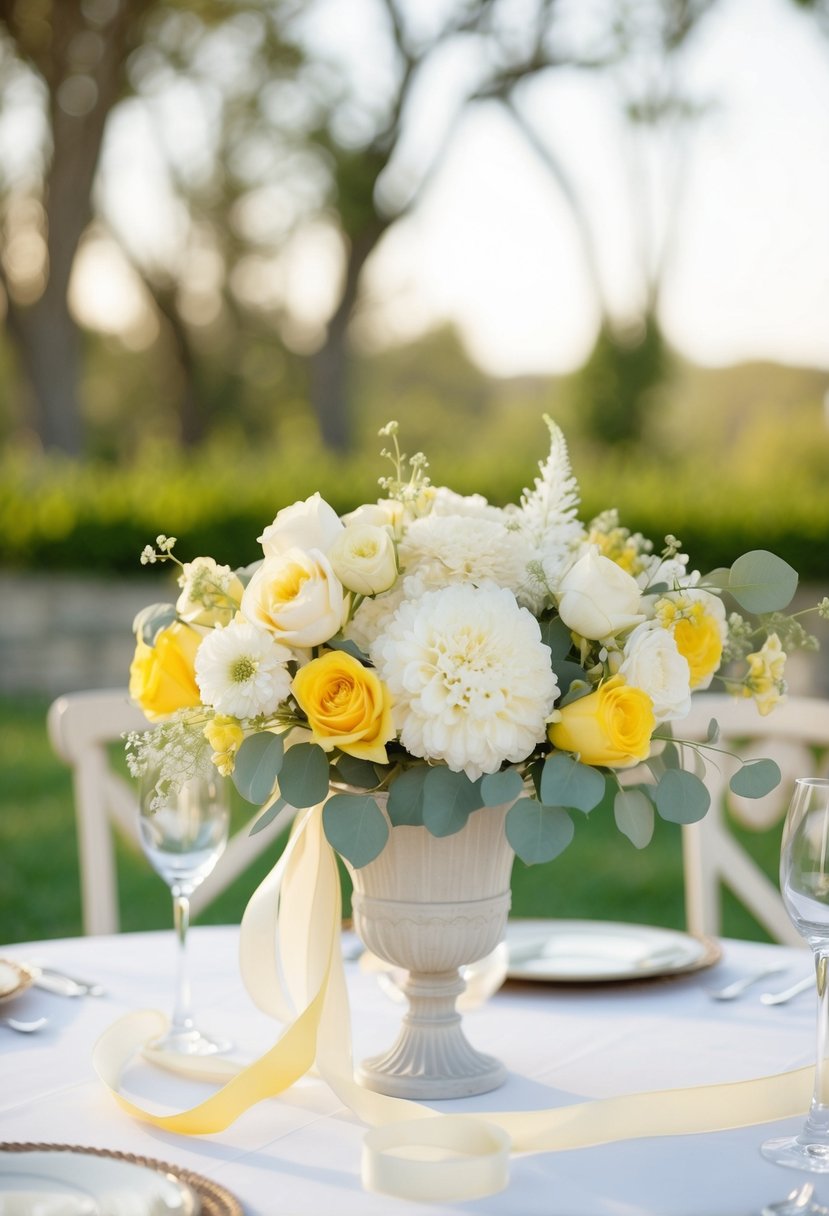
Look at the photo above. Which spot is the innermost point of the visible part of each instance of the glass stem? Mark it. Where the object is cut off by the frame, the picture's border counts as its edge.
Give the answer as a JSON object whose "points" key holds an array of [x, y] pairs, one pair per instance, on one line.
{"points": [[817, 1124], [182, 1015]]}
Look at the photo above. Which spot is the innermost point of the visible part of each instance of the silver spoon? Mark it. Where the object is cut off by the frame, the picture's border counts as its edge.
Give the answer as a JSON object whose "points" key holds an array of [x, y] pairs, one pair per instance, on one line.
{"points": [[23, 1027], [739, 986]]}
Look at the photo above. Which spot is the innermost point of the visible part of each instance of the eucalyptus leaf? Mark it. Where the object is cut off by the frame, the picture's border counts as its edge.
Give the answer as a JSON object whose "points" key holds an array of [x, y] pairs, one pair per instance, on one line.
{"points": [[355, 826], [762, 582], [567, 674], [405, 804], [633, 812], [681, 797], [755, 779], [556, 635], [303, 779], [499, 788], [567, 782], [346, 644], [713, 732], [258, 763], [448, 800], [538, 833], [150, 621], [268, 815], [354, 771], [718, 578]]}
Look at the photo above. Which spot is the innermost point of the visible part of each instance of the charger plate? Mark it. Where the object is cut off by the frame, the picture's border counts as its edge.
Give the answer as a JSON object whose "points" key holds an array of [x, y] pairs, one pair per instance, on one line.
{"points": [[14, 978], [214, 1199], [593, 951]]}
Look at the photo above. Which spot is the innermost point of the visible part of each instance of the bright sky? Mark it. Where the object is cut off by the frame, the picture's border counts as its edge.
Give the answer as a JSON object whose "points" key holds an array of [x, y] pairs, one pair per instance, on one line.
{"points": [[492, 247]]}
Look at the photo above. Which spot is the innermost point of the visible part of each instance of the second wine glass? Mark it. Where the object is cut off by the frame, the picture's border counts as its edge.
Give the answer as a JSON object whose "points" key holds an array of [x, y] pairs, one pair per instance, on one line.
{"points": [[183, 837], [804, 883]]}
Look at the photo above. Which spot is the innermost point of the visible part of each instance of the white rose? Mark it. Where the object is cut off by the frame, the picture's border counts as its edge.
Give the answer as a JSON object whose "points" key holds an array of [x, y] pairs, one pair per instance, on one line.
{"points": [[311, 524], [363, 559], [385, 513], [297, 596], [598, 599], [653, 663]]}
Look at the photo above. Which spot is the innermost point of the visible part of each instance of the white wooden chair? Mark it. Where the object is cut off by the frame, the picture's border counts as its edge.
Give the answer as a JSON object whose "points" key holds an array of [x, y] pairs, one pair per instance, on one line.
{"points": [[81, 725], [796, 736]]}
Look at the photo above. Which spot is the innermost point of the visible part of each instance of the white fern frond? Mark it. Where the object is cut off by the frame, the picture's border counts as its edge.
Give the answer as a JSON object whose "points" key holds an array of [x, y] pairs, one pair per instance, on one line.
{"points": [[549, 510]]}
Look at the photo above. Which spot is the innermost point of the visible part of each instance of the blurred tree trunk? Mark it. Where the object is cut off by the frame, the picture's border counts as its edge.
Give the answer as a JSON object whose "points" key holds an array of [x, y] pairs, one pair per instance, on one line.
{"points": [[330, 365], [82, 87]]}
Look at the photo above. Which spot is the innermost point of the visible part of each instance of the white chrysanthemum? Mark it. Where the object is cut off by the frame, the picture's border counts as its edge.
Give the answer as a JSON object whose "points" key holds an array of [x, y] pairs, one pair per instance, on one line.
{"points": [[448, 502], [447, 549], [470, 677], [241, 670]]}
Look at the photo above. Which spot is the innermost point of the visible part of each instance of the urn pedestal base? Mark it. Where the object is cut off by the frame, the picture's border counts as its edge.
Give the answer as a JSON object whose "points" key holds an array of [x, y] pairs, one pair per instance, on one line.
{"points": [[432, 905]]}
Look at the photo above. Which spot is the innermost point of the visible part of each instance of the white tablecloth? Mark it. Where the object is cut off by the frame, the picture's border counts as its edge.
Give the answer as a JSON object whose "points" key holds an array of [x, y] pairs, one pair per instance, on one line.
{"points": [[301, 1153]]}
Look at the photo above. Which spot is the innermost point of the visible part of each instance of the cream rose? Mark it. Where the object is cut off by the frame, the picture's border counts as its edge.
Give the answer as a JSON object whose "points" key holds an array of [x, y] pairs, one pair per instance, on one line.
{"points": [[298, 597], [385, 513], [597, 599], [363, 558], [653, 663], [311, 524]]}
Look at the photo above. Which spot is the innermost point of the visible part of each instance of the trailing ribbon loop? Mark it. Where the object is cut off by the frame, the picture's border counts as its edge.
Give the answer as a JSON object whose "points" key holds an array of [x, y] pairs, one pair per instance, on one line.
{"points": [[292, 968]]}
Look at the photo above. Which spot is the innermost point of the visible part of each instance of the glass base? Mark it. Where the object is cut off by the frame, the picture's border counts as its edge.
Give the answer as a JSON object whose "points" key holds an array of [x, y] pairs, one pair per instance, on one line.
{"points": [[793, 1152], [189, 1042]]}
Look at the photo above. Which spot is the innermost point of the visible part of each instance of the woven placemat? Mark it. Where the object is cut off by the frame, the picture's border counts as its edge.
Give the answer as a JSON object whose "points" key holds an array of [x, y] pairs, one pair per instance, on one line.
{"points": [[215, 1200]]}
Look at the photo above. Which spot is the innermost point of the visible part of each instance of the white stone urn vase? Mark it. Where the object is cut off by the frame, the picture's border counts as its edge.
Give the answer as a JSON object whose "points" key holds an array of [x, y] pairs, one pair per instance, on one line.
{"points": [[432, 905]]}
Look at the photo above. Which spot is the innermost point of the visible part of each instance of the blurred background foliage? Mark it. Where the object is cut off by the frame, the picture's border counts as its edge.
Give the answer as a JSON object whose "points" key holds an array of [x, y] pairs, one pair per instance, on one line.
{"points": [[213, 399]]}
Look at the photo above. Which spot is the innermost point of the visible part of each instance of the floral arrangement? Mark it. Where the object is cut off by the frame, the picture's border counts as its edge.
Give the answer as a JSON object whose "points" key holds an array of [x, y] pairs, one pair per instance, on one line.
{"points": [[454, 655]]}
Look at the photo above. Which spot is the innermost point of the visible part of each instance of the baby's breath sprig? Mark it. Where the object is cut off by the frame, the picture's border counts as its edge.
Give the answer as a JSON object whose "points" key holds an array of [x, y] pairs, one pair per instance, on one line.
{"points": [[407, 489], [162, 552]]}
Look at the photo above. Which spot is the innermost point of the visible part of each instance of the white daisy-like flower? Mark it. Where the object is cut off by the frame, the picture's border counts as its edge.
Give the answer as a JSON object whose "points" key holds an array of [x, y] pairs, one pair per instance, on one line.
{"points": [[448, 502], [470, 677], [241, 670], [446, 549]]}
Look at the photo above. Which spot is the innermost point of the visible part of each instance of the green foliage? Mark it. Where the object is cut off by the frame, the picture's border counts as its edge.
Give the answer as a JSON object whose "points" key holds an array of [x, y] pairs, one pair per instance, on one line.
{"points": [[680, 797], [621, 384], [258, 762], [538, 833], [565, 782], [634, 816], [355, 826], [756, 779], [762, 582]]}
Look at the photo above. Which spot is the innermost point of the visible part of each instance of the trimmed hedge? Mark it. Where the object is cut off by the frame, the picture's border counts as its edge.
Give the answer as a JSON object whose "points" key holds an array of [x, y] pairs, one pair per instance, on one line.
{"points": [[63, 515]]}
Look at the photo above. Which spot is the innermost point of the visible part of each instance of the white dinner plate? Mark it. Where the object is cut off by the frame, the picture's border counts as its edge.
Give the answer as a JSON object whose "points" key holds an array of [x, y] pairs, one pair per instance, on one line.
{"points": [[83, 1184], [593, 951], [14, 978]]}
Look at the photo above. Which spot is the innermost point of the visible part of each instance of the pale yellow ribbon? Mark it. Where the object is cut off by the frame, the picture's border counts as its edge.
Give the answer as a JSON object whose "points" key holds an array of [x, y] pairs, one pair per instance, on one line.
{"points": [[292, 967]]}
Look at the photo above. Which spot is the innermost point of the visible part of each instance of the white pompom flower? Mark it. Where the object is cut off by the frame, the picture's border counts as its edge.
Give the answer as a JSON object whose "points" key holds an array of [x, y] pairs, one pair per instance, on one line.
{"points": [[242, 671], [470, 678]]}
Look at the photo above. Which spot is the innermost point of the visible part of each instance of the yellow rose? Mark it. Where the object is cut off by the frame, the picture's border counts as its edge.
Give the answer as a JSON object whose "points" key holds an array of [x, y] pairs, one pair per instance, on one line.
{"points": [[347, 706], [162, 676], [611, 726], [225, 736]]}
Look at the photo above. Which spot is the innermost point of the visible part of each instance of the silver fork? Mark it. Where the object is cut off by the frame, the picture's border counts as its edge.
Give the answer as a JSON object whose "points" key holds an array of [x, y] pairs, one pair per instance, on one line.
{"points": [[23, 1027]]}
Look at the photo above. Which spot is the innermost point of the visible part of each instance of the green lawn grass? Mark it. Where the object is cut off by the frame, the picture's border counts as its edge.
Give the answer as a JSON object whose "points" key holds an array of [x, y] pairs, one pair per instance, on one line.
{"points": [[601, 876]]}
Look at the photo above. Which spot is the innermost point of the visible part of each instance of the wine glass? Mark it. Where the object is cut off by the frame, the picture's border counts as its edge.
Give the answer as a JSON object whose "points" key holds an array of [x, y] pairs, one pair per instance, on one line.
{"points": [[183, 837], [804, 882]]}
